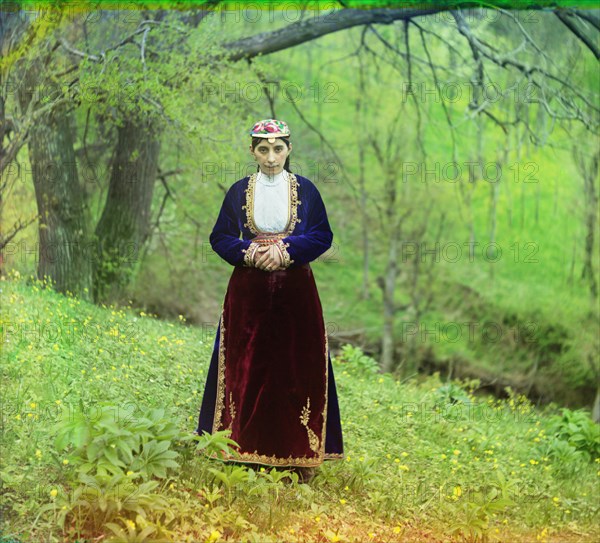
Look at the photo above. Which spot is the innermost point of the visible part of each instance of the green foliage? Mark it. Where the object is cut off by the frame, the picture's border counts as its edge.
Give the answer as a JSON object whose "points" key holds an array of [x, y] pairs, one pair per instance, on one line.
{"points": [[451, 393], [216, 443], [108, 438], [127, 532], [357, 361], [117, 459], [481, 505], [476, 514], [579, 431], [567, 460]]}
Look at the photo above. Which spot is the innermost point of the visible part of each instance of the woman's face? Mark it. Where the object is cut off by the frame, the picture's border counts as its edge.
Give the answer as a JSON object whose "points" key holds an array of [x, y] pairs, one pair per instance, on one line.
{"points": [[271, 157]]}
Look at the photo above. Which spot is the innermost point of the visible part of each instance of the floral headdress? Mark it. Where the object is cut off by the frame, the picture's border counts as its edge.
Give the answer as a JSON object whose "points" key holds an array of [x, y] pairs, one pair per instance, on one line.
{"points": [[270, 129]]}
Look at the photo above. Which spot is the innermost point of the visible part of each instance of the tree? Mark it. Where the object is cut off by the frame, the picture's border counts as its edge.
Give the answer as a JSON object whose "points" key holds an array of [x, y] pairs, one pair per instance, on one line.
{"points": [[161, 34], [588, 169]]}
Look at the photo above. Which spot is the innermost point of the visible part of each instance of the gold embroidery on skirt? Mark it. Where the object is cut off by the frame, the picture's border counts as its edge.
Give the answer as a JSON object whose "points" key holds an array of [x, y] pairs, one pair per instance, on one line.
{"points": [[313, 440], [219, 404], [324, 414], [231, 409], [267, 459], [256, 458]]}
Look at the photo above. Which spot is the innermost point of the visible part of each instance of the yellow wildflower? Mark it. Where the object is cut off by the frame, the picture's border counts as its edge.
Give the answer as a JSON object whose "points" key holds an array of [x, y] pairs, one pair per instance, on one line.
{"points": [[214, 536]]}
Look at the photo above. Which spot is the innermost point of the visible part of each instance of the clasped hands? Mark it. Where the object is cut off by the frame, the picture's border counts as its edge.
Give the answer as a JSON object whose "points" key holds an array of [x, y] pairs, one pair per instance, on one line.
{"points": [[268, 258]]}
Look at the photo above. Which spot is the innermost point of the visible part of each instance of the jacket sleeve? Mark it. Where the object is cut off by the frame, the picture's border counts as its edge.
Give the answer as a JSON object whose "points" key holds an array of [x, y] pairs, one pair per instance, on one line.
{"points": [[316, 239], [224, 238]]}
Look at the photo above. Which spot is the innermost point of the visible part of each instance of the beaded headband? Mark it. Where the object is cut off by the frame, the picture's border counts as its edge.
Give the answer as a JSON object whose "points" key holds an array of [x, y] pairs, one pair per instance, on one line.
{"points": [[270, 129]]}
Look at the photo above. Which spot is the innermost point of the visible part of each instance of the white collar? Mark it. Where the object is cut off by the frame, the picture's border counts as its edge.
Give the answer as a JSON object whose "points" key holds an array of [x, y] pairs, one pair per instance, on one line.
{"points": [[272, 180]]}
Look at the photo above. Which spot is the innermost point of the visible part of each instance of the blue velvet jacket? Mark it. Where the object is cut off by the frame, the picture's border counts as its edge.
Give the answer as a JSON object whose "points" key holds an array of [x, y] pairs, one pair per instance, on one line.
{"points": [[308, 234]]}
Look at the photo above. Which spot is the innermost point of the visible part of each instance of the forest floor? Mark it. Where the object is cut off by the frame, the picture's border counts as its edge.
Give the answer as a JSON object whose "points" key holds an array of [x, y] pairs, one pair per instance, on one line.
{"points": [[99, 405]]}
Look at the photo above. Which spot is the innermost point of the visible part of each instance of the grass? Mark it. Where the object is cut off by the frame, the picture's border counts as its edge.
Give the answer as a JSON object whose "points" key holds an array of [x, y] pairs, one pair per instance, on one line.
{"points": [[425, 461]]}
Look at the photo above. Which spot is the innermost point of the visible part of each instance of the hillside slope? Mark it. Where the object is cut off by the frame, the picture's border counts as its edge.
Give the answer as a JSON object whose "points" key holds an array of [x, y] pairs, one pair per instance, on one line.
{"points": [[425, 461]]}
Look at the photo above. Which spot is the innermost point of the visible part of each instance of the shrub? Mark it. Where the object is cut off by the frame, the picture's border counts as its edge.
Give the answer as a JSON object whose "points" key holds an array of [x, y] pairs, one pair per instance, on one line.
{"points": [[117, 464], [358, 361], [578, 430]]}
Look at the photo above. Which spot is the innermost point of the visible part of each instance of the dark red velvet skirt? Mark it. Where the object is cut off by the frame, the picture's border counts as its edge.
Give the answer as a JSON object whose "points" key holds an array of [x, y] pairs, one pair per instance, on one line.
{"points": [[271, 381]]}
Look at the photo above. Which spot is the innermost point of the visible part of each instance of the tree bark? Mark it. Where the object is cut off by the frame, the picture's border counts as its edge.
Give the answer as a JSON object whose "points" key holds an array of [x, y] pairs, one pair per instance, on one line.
{"points": [[389, 305], [315, 27], [596, 407], [124, 226], [591, 206], [64, 255]]}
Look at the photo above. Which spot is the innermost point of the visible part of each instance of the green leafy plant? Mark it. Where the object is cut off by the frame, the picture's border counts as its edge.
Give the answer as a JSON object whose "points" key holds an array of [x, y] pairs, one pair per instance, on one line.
{"points": [[479, 506], [566, 459], [216, 444], [117, 462], [451, 393], [358, 361], [578, 430], [140, 531]]}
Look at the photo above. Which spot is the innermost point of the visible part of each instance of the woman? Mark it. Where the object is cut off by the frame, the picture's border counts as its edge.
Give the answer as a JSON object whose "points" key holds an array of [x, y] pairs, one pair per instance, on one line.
{"points": [[270, 379]]}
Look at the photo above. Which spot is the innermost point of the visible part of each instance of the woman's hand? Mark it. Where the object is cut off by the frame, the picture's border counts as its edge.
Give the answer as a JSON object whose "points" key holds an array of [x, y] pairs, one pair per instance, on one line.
{"points": [[268, 258]]}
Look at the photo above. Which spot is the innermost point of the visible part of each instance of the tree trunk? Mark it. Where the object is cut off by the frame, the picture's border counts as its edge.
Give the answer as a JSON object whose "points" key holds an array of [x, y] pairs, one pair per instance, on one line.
{"points": [[596, 407], [591, 206], [364, 224], [389, 306], [124, 226], [64, 255]]}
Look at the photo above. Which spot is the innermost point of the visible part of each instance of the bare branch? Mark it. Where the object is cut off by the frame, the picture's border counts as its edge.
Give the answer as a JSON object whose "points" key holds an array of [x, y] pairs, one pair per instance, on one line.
{"points": [[143, 50], [16, 228], [564, 15], [304, 31], [589, 16], [529, 72], [528, 38], [437, 86], [400, 53]]}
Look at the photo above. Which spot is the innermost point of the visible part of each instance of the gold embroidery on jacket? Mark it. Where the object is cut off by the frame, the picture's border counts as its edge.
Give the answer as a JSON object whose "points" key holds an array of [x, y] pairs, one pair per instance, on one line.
{"points": [[249, 254], [284, 253], [249, 207], [313, 440], [293, 204]]}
